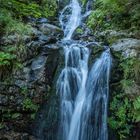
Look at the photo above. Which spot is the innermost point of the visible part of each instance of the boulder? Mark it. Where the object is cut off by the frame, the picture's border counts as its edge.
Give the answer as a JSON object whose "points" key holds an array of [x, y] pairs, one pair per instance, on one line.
{"points": [[50, 30], [37, 68], [129, 47], [11, 135]]}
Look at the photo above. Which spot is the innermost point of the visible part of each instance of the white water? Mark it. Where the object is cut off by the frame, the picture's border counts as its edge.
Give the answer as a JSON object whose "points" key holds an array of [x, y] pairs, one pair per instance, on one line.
{"points": [[83, 93], [72, 81], [73, 17]]}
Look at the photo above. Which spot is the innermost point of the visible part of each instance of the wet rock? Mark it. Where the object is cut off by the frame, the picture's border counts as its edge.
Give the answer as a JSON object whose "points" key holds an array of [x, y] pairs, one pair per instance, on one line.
{"points": [[84, 33], [42, 20], [111, 36], [38, 63], [133, 90], [9, 40], [20, 83], [37, 67], [129, 47], [62, 4], [49, 29], [113, 33], [30, 84], [48, 49], [11, 135], [3, 100]]}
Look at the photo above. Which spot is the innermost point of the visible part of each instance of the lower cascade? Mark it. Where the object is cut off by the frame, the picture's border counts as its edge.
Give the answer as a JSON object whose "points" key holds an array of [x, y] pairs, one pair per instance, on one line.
{"points": [[84, 95], [83, 92]]}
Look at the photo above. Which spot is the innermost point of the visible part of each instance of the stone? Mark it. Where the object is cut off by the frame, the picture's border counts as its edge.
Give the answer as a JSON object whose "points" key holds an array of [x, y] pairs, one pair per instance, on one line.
{"points": [[37, 67], [3, 100], [38, 63], [11, 135], [47, 39], [49, 29], [9, 40], [133, 90], [20, 83], [42, 20], [129, 47]]}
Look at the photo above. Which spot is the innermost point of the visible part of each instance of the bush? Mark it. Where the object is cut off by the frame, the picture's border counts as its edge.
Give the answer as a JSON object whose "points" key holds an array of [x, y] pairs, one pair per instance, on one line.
{"points": [[22, 9], [10, 54], [115, 14], [125, 107], [10, 25]]}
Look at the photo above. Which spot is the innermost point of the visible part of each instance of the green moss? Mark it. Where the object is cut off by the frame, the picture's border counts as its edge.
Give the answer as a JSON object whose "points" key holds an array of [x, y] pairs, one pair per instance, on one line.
{"points": [[79, 30], [29, 105], [83, 2], [15, 115], [2, 125], [6, 58]]}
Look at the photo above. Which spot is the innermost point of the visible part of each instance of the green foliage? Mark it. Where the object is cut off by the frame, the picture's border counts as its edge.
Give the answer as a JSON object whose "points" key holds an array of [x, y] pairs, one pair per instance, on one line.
{"points": [[20, 9], [79, 30], [13, 31], [15, 115], [49, 8], [136, 111], [131, 67], [125, 108], [24, 91], [27, 102], [115, 14], [10, 56], [121, 117], [125, 112], [96, 20], [10, 25], [29, 105], [33, 116], [6, 58], [2, 126], [83, 2]]}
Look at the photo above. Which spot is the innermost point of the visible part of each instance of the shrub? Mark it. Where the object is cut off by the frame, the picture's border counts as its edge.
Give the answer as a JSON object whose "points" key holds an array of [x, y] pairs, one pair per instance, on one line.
{"points": [[115, 14], [10, 25], [21, 9]]}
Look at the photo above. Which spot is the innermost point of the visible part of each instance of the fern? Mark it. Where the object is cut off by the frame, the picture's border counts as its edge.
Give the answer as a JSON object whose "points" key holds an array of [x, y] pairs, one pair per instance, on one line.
{"points": [[136, 112]]}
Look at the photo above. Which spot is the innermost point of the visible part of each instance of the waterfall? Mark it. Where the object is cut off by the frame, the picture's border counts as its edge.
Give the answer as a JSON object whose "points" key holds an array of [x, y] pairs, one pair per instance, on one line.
{"points": [[70, 18], [83, 92], [71, 81]]}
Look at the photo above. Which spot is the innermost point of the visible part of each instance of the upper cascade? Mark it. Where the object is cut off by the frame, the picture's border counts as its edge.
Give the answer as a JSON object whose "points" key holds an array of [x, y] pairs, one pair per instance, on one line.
{"points": [[70, 19]]}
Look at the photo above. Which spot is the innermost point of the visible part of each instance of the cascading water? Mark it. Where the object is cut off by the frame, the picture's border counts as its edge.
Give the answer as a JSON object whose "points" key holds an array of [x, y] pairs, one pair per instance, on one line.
{"points": [[94, 117], [71, 81], [72, 14], [83, 94]]}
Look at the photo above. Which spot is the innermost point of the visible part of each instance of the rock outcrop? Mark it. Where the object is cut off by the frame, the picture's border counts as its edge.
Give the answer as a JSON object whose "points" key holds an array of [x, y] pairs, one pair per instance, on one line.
{"points": [[26, 88]]}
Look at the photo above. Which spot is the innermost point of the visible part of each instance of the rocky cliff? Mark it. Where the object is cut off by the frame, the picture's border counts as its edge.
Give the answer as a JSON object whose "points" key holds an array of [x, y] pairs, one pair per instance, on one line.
{"points": [[29, 105]]}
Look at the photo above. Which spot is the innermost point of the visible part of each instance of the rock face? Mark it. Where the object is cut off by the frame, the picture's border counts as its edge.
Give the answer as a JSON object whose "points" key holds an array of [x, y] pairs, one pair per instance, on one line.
{"points": [[28, 101], [17, 136], [124, 79], [27, 87], [129, 47], [49, 29]]}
